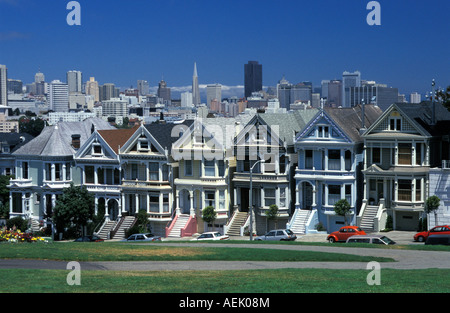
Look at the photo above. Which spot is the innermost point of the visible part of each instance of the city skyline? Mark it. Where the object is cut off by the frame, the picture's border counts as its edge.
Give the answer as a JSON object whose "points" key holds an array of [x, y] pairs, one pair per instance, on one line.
{"points": [[308, 42]]}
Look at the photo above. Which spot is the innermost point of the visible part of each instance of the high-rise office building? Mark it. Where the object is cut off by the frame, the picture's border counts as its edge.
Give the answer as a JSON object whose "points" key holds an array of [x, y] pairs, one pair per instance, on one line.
{"points": [[143, 87], [370, 93], [164, 92], [3, 85], [74, 81], [15, 86], [334, 93], [252, 78], [213, 92], [58, 96], [92, 89], [195, 88], [39, 77], [324, 92], [349, 80], [415, 98], [186, 99], [108, 91]]}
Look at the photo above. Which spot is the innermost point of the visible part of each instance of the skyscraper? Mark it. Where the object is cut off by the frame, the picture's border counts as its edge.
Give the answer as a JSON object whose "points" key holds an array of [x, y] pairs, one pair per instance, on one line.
{"points": [[195, 89], [74, 81], [58, 96], [349, 80], [3, 85], [164, 92], [143, 87], [213, 92], [93, 89], [252, 77]]}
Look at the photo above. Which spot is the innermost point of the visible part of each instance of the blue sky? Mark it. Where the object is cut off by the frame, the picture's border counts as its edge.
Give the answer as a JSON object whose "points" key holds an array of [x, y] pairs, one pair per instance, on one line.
{"points": [[123, 41]]}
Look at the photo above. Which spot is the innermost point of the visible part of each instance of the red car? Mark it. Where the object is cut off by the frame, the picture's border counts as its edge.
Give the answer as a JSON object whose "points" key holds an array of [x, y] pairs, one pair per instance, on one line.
{"points": [[438, 230], [344, 233]]}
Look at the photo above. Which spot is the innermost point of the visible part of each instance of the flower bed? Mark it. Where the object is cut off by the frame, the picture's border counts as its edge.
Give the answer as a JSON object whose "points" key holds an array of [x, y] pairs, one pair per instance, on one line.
{"points": [[15, 235]]}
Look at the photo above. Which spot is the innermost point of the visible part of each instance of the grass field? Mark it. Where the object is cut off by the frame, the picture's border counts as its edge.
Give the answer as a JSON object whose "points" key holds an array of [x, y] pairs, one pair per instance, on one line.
{"points": [[239, 281], [71, 251], [255, 281]]}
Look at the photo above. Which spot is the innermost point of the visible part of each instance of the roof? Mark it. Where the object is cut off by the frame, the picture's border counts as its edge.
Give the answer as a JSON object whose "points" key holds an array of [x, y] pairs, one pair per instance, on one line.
{"points": [[288, 123], [57, 140], [421, 113], [162, 132], [15, 140], [116, 138], [350, 119]]}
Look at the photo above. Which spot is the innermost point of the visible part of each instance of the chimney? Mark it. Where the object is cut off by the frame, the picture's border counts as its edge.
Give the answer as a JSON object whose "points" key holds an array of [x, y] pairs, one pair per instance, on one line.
{"points": [[76, 141]]}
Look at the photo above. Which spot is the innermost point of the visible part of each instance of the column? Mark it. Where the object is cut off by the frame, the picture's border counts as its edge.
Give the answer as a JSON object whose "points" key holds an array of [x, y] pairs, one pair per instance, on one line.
{"points": [[96, 205], [191, 198], [136, 208], [342, 160]]}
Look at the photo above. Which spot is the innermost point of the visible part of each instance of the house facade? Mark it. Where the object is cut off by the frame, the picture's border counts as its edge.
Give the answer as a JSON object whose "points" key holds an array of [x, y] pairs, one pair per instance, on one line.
{"points": [[400, 148], [329, 153], [45, 166]]}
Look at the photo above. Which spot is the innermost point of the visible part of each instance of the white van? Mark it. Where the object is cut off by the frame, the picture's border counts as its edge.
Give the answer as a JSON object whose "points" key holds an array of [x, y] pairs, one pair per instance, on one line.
{"points": [[375, 239]]}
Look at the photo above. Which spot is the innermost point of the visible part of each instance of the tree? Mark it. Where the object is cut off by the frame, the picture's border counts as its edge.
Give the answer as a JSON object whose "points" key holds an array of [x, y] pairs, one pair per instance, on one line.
{"points": [[272, 214], [209, 215], [444, 95], [75, 207], [431, 205], [31, 126], [342, 208]]}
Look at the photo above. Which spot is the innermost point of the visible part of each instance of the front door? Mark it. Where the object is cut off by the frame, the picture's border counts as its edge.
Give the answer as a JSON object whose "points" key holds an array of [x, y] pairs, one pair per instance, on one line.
{"points": [[245, 199]]}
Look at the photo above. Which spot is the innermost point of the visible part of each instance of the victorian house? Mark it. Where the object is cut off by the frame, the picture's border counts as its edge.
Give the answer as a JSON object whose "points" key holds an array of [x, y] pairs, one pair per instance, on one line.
{"points": [[330, 150], [45, 165], [265, 159], [205, 162], [400, 148]]}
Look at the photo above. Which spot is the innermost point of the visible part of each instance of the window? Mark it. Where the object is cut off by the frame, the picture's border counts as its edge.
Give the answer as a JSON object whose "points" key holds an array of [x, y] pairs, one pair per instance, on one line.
{"points": [[101, 176], [188, 167], [221, 166], [334, 160], [282, 164], [165, 172], [153, 171], [334, 194], [24, 170], [134, 171], [404, 154], [395, 123], [209, 198], [68, 168], [282, 197], [323, 131], [58, 172], [96, 149], [221, 199], [88, 173], [418, 154], [143, 144], [376, 155], [418, 190], [348, 160], [210, 168], [154, 203], [308, 159], [269, 197], [404, 190], [165, 203], [348, 193]]}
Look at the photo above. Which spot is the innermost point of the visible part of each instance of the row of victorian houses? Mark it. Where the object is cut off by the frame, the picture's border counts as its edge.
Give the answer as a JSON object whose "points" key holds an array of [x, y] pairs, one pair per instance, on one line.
{"points": [[302, 161]]}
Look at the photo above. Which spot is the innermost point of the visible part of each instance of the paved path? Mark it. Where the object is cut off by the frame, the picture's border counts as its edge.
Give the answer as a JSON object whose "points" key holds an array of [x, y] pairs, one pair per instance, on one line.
{"points": [[405, 259]]}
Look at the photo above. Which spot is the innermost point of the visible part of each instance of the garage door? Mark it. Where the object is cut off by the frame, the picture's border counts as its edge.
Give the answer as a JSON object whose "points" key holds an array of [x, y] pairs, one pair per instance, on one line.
{"points": [[406, 221]]}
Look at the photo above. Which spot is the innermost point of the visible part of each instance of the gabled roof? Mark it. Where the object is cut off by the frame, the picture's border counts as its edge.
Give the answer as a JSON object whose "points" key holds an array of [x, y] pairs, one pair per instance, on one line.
{"points": [[350, 119], [57, 140], [15, 140], [162, 132], [116, 138], [419, 115]]}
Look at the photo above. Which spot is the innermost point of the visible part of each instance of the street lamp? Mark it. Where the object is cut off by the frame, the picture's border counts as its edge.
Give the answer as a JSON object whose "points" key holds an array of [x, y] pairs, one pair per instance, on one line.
{"points": [[251, 196]]}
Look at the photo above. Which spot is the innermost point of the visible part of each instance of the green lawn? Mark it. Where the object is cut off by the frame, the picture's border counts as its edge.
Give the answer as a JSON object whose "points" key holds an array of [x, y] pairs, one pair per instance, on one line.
{"points": [[71, 251], [255, 281]]}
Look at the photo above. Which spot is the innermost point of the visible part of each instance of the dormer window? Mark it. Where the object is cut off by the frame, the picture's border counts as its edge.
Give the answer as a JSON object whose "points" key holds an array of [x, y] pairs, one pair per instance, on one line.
{"points": [[395, 123], [323, 132], [143, 144], [96, 149]]}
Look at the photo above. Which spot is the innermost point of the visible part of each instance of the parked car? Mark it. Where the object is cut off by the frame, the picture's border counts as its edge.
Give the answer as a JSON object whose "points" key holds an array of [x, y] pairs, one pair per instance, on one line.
{"points": [[212, 236], [89, 238], [344, 233], [438, 230], [278, 234], [438, 240], [143, 237], [375, 239]]}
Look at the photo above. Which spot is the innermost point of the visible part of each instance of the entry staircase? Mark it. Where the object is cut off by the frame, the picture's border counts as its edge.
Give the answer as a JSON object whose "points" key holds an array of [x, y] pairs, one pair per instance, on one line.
{"points": [[117, 228], [299, 221], [180, 223], [367, 220], [236, 223]]}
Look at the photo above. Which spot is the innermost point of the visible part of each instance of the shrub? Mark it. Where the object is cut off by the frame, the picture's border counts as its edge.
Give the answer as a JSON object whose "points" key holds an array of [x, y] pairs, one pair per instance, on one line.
{"points": [[18, 222]]}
